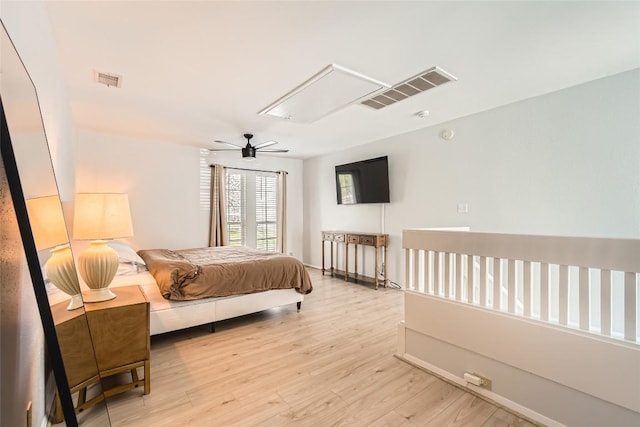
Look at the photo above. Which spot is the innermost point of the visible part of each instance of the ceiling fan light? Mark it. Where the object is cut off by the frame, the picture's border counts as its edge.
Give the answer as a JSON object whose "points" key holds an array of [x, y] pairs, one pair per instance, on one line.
{"points": [[248, 152]]}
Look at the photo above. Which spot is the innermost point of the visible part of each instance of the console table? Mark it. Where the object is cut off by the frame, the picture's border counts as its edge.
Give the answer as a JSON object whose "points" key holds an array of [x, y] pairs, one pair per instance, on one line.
{"points": [[377, 241]]}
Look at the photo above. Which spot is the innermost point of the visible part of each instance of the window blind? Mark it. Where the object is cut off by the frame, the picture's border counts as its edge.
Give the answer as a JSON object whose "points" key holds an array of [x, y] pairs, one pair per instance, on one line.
{"points": [[266, 212], [252, 209], [236, 208], [205, 180]]}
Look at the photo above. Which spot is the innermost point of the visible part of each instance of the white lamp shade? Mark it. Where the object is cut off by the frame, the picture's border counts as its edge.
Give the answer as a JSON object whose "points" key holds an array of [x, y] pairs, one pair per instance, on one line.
{"points": [[49, 231], [47, 222], [101, 216]]}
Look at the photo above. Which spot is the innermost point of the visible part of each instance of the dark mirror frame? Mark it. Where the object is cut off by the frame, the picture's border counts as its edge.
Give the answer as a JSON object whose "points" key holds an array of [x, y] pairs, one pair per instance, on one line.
{"points": [[39, 289]]}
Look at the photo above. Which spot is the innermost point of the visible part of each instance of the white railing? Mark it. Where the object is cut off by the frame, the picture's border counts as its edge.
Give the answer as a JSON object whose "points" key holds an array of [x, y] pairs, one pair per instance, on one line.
{"points": [[590, 284]]}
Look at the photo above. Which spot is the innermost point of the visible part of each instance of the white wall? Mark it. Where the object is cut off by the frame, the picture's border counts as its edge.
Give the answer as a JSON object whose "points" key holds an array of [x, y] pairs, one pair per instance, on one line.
{"points": [[566, 163], [28, 25], [163, 183]]}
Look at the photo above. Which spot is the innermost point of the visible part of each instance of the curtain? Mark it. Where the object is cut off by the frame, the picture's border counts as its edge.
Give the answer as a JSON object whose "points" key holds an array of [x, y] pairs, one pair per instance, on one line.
{"points": [[218, 221], [282, 212]]}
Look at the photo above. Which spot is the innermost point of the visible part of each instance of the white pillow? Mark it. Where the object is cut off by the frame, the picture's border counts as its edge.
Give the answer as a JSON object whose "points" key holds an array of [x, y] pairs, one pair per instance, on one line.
{"points": [[130, 261]]}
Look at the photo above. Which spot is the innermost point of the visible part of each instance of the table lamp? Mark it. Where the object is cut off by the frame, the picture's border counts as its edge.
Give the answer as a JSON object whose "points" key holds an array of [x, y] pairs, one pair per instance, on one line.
{"points": [[49, 231], [99, 217]]}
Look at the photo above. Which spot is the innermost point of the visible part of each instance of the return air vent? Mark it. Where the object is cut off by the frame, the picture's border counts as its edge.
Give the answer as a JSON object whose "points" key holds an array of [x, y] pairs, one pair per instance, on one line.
{"points": [[107, 79], [422, 82]]}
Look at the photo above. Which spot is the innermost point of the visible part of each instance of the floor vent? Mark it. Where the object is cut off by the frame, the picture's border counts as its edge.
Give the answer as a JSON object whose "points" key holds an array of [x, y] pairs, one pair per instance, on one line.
{"points": [[107, 79], [412, 86]]}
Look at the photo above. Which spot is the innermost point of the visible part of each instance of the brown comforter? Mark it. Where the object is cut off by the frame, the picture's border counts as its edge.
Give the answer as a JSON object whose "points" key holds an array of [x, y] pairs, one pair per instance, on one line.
{"points": [[223, 271]]}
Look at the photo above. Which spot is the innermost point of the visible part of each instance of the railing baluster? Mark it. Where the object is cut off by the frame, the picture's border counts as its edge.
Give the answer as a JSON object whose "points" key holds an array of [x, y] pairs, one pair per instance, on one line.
{"points": [[630, 306], [583, 298], [459, 274], [437, 290], [526, 288], [497, 283], [447, 274], [544, 291], [511, 285], [563, 300], [425, 272], [416, 269], [407, 272], [483, 281], [470, 275], [432, 256], [605, 303]]}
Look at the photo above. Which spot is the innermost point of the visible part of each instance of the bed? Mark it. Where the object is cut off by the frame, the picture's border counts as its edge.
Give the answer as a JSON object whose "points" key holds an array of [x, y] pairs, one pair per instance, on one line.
{"points": [[183, 293]]}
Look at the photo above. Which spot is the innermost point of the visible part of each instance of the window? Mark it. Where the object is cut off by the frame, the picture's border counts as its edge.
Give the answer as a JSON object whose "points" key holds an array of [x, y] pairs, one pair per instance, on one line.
{"points": [[252, 209], [266, 217], [236, 209], [205, 180]]}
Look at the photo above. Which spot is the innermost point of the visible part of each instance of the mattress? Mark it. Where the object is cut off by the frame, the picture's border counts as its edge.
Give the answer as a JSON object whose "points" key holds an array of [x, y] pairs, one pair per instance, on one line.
{"points": [[167, 315], [148, 284]]}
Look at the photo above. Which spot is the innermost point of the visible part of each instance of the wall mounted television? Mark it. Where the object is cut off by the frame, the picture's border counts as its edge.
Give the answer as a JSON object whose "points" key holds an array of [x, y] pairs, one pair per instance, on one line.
{"points": [[366, 181]]}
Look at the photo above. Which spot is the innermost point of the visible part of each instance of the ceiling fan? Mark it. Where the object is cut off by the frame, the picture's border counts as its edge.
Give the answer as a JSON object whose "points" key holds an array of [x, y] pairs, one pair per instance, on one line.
{"points": [[249, 151]]}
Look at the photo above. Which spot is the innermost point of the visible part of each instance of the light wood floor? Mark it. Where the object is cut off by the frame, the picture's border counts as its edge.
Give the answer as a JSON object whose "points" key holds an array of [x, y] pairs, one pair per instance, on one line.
{"points": [[331, 364]]}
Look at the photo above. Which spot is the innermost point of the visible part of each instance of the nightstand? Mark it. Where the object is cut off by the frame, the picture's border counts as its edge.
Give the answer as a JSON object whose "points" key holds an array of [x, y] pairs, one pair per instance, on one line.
{"points": [[120, 334]]}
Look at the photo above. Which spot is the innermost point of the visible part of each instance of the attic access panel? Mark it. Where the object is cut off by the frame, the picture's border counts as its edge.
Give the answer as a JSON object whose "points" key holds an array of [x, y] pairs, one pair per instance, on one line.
{"points": [[331, 89]]}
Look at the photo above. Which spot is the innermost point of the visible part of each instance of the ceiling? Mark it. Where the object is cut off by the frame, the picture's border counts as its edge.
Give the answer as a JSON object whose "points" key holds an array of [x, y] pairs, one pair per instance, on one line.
{"points": [[194, 72]]}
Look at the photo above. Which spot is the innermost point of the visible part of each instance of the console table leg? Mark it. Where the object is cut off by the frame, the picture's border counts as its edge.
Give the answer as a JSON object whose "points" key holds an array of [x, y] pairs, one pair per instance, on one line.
{"points": [[386, 280], [331, 259], [322, 257], [377, 267], [346, 261], [355, 248]]}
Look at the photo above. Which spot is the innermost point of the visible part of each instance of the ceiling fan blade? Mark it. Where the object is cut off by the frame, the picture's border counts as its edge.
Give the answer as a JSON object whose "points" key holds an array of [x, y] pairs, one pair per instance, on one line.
{"points": [[229, 143], [266, 144], [222, 149], [274, 151]]}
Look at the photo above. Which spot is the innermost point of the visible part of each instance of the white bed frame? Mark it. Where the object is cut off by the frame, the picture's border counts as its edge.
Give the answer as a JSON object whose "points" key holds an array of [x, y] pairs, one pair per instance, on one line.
{"points": [[169, 316]]}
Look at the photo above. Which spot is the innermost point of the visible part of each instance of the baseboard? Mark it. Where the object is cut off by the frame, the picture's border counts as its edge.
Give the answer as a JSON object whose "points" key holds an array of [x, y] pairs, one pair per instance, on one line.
{"points": [[493, 398]]}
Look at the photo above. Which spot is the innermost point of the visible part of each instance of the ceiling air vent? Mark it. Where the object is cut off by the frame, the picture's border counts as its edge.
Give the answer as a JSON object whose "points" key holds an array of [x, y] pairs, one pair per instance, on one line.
{"points": [[108, 79], [412, 86]]}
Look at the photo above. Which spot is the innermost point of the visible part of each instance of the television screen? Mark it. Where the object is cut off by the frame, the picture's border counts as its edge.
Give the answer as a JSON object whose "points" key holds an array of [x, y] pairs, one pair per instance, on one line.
{"points": [[366, 181]]}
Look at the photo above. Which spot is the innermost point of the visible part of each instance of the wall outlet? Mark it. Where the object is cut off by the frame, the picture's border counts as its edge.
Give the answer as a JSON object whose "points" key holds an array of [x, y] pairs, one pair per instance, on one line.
{"points": [[463, 207], [484, 381]]}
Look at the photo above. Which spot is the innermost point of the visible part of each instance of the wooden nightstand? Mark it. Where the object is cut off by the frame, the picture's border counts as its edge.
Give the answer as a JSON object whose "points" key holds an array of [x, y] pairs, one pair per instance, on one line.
{"points": [[120, 334]]}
